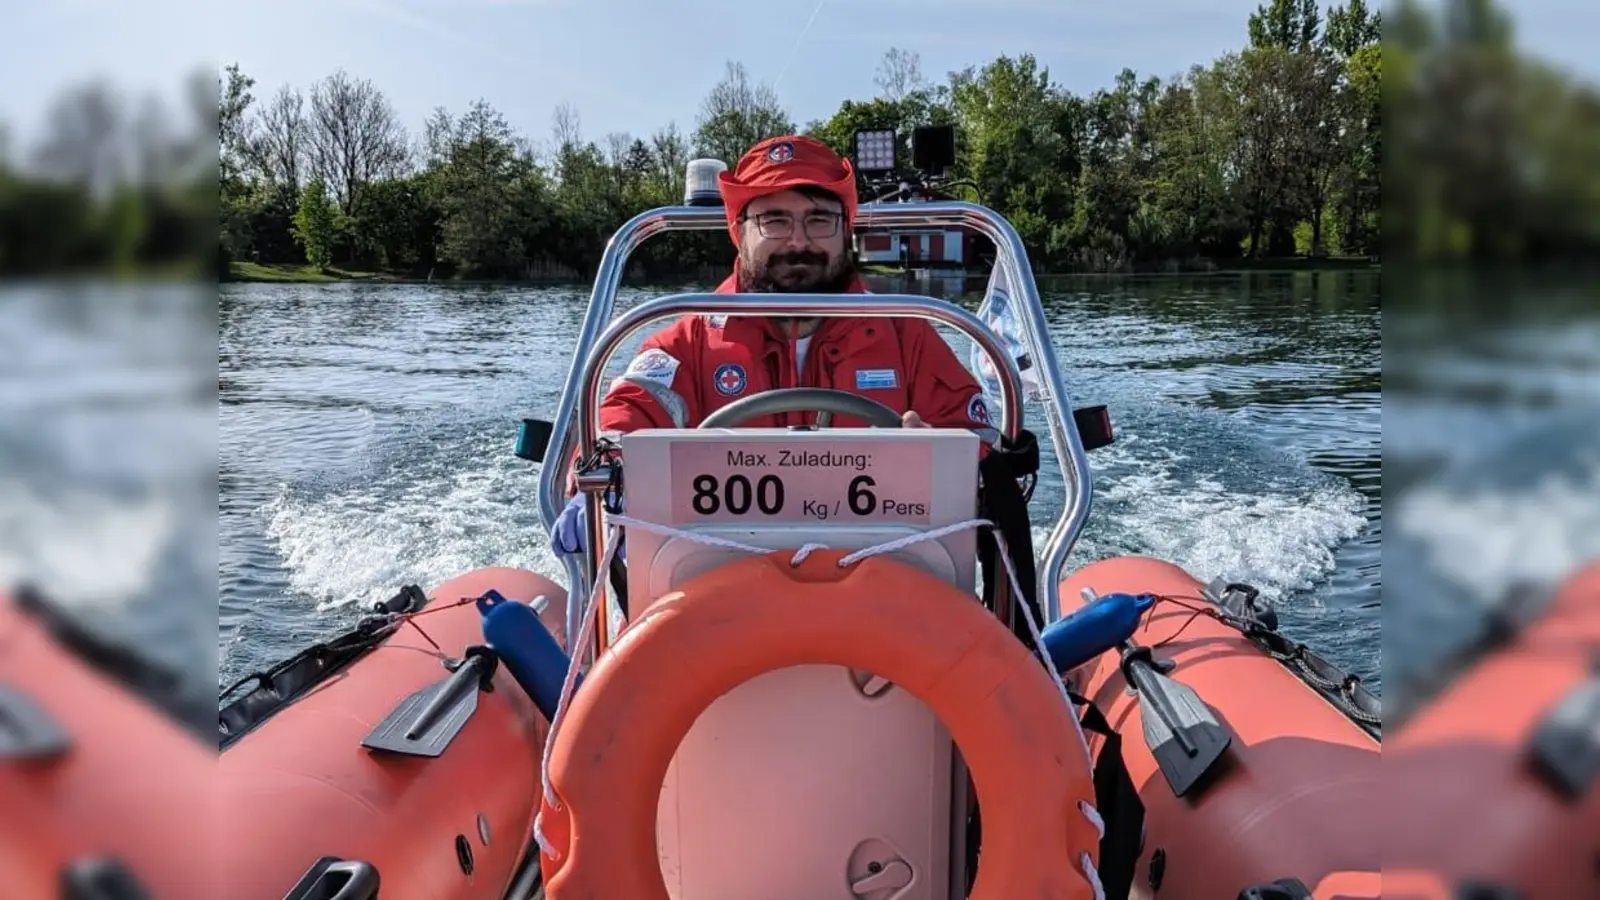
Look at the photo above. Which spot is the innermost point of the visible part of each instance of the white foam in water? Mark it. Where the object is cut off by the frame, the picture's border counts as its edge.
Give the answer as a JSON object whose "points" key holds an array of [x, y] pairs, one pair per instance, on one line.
{"points": [[361, 543], [1280, 536], [475, 506], [84, 547], [1486, 539], [1281, 543]]}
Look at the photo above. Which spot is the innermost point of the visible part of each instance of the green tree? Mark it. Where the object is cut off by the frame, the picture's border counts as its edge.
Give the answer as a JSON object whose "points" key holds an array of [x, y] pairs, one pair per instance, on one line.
{"points": [[1353, 34], [480, 187], [1193, 126], [232, 134], [737, 114], [395, 225], [1007, 112], [1278, 148], [1285, 24], [1352, 27], [316, 224]]}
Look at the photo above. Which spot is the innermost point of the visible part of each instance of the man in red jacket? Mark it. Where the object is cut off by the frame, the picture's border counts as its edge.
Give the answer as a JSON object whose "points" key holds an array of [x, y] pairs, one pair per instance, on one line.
{"points": [[791, 204]]}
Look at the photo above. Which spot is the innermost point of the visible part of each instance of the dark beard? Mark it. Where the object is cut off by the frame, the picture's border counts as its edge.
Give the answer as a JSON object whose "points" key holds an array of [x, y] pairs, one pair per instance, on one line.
{"points": [[755, 279]]}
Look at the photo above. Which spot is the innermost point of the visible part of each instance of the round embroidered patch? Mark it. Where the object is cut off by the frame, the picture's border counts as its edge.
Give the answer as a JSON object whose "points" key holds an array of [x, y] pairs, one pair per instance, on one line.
{"points": [[978, 410], [780, 152], [729, 379]]}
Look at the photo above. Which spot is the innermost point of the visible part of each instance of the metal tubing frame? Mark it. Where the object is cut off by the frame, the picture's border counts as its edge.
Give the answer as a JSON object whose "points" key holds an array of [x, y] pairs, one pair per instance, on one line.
{"points": [[868, 306], [578, 395]]}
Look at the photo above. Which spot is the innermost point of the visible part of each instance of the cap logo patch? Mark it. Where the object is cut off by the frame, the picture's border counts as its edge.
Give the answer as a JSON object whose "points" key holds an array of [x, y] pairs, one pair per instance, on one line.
{"points": [[780, 152]]}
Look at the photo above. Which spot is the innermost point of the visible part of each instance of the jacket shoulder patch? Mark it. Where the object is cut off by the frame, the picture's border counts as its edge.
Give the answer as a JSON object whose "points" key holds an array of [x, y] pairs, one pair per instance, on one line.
{"points": [[655, 365], [978, 411]]}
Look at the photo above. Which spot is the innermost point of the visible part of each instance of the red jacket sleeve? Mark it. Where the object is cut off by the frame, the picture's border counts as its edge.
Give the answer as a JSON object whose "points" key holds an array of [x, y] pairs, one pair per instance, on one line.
{"points": [[943, 392], [657, 390]]}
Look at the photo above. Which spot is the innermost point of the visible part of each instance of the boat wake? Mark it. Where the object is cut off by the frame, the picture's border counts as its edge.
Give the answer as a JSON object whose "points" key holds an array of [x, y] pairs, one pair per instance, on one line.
{"points": [[456, 499]]}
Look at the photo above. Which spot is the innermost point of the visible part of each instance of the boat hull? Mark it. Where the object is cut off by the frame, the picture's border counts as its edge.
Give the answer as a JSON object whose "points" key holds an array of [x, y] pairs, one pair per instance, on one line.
{"points": [[129, 785], [453, 827], [1299, 793], [1467, 759]]}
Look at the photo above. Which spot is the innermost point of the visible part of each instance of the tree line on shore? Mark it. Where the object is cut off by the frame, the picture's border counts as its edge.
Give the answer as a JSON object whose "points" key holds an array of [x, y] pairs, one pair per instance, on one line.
{"points": [[106, 190], [1271, 151], [1274, 150]]}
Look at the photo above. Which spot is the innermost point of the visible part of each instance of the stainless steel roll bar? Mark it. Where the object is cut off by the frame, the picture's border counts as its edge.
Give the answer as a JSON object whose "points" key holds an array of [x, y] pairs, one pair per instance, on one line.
{"points": [[853, 305], [600, 336]]}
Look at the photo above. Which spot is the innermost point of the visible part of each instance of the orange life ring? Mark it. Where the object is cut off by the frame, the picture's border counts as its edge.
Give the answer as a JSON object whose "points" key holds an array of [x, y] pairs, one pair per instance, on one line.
{"points": [[611, 754]]}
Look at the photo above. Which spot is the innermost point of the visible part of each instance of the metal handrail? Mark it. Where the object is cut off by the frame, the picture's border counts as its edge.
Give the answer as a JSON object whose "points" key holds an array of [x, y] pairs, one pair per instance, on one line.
{"points": [[578, 394], [853, 305], [869, 306]]}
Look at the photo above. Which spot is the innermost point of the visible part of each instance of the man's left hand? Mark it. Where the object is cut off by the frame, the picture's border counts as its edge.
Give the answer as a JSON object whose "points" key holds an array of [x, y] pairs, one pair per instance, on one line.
{"points": [[910, 419]]}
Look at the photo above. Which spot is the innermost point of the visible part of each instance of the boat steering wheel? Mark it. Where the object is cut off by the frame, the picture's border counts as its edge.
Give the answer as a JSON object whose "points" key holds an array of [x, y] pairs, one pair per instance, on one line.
{"points": [[825, 402]]}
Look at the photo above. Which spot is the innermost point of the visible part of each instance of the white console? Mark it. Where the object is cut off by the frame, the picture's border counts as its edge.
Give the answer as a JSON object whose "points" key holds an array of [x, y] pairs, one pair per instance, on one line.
{"points": [[813, 782]]}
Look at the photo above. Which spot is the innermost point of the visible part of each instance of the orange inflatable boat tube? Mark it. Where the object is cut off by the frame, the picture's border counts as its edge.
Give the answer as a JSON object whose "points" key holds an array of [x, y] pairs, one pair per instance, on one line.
{"points": [[1298, 793], [34, 849], [301, 787], [93, 777], [751, 616], [1495, 783]]}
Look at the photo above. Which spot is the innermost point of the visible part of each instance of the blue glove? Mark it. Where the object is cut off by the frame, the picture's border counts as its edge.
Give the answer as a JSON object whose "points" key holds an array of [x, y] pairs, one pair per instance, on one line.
{"points": [[570, 534], [567, 537]]}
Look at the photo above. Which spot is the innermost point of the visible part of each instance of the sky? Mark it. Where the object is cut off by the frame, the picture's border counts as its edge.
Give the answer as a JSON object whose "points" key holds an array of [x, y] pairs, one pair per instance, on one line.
{"points": [[626, 65]]}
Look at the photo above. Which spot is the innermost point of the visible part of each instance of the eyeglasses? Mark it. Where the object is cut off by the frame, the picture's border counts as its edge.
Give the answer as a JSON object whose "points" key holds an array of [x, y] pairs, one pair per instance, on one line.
{"points": [[779, 225]]}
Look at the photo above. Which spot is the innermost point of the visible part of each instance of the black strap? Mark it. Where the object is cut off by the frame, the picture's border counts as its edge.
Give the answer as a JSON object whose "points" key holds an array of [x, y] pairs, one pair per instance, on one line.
{"points": [[1117, 799], [1001, 501], [100, 878], [619, 584]]}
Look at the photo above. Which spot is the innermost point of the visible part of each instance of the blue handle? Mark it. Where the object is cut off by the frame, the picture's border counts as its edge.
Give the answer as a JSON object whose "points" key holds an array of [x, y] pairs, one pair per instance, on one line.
{"points": [[1094, 629], [527, 648]]}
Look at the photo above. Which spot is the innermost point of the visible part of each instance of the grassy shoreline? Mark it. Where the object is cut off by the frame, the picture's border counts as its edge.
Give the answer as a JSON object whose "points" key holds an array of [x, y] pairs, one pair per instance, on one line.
{"points": [[283, 273], [287, 273]]}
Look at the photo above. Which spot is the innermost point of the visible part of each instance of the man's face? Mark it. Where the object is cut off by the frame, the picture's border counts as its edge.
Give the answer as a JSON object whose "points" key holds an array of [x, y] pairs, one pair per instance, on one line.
{"points": [[794, 243]]}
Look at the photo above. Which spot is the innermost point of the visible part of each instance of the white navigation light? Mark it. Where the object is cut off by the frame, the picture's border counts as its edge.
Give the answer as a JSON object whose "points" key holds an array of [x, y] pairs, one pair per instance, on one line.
{"points": [[875, 150], [700, 182]]}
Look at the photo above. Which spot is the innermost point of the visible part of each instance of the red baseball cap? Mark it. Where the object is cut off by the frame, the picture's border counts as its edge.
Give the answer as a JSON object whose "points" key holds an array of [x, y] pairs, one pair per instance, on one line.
{"points": [[783, 163]]}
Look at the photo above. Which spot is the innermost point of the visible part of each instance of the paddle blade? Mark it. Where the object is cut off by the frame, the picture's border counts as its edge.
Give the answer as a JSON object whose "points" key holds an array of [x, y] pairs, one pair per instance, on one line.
{"points": [[1182, 733], [425, 723]]}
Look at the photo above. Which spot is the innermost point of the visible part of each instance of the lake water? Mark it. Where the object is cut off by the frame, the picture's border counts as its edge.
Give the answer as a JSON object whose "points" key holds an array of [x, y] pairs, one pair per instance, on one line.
{"points": [[366, 435], [108, 461], [362, 440]]}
